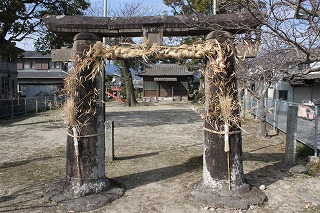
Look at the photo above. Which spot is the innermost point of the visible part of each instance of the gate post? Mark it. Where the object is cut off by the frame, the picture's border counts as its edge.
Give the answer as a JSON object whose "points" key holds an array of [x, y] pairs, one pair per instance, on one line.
{"points": [[223, 182], [85, 186]]}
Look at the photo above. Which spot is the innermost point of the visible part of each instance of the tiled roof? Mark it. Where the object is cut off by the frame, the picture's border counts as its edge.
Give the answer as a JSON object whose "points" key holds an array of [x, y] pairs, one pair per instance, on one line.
{"points": [[42, 74], [35, 54], [309, 76], [166, 70]]}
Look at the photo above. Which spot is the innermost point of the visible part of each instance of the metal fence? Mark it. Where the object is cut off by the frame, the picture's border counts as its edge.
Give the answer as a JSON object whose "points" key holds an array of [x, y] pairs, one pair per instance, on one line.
{"points": [[16, 106], [276, 112]]}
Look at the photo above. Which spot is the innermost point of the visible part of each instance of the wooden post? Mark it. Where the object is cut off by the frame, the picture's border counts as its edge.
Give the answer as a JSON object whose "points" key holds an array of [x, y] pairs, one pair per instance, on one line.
{"points": [[36, 104], [25, 106], [109, 140], [54, 99], [316, 131], [291, 134], [158, 92], [12, 107], [172, 93]]}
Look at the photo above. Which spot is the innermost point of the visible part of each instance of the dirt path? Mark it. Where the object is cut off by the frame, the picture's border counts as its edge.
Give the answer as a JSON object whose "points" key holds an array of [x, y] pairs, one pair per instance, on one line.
{"points": [[158, 157]]}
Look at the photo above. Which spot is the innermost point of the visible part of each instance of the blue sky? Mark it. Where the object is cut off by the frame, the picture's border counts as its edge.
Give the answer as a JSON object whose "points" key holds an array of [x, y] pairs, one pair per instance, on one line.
{"points": [[113, 3], [28, 44]]}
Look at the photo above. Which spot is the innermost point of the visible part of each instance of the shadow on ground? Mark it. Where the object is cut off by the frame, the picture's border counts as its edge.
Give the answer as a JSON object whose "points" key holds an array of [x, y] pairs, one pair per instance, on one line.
{"points": [[269, 174], [23, 162], [26, 199], [132, 181], [152, 118]]}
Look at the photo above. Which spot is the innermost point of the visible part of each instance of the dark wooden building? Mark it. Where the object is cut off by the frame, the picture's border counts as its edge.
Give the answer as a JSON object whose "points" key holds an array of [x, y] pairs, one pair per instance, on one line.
{"points": [[162, 81]]}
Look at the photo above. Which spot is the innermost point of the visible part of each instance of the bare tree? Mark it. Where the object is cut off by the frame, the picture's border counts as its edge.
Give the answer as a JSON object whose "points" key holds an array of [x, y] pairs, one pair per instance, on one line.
{"points": [[295, 24], [256, 75], [290, 37]]}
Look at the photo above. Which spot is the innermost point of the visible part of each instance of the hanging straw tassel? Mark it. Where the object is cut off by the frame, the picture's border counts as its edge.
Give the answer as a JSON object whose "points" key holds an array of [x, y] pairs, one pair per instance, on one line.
{"points": [[227, 149], [226, 138], [76, 148]]}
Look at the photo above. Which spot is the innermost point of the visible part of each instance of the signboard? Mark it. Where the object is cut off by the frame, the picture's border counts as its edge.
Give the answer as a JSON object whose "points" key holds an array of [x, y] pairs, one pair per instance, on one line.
{"points": [[61, 54]]}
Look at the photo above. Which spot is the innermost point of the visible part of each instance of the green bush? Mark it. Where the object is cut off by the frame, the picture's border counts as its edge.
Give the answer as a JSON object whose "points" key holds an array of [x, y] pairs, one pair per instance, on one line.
{"points": [[303, 151]]}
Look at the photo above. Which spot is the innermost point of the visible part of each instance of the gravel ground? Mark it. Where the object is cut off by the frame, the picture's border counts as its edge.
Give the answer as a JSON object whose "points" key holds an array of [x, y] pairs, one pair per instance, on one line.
{"points": [[158, 152]]}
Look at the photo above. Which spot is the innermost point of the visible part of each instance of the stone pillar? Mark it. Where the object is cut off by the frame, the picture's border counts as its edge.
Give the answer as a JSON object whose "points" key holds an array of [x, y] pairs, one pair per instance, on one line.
{"points": [[91, 132], [215, 167], [291, 134], [85, 186], [214, 189]]}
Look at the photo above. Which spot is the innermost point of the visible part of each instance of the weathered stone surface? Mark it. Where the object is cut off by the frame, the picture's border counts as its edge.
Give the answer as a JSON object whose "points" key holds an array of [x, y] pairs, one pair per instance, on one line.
{"points": [[223, 183], [134, 26], [85, 174], [64, 55], [290, 149], [228, 198], [300, 169], [90, 202]]}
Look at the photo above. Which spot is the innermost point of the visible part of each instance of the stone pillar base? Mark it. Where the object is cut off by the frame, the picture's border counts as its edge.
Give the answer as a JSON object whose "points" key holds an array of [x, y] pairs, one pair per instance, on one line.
{"points": [[240, 198], [87, 197]]}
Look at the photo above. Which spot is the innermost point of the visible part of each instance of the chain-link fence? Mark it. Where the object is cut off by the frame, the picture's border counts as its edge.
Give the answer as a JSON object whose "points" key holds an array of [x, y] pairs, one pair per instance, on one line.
{"points": [[276, 115], [16, 106]]}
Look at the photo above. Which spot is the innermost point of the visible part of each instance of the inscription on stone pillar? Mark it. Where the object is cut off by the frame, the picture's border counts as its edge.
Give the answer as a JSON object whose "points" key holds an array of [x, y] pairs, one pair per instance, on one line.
{"points": [[153, 34]]}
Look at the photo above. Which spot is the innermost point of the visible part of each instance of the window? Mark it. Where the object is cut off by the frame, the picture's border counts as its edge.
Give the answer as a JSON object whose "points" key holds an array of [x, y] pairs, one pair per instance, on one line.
{"points": [[20, 66], [253, 87], [283, 95], [5, 85], [27, 65], [150, 86], [12, 85], [42, 65], [55, 65]]}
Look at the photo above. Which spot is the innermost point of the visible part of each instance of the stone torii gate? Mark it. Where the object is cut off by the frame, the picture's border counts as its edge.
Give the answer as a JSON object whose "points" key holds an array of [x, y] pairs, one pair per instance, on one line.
{"points": [[223, 182]]}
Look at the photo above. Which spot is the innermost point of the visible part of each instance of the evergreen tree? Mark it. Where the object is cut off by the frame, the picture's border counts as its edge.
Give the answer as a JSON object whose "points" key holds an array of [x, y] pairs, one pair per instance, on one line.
{"points": [[21, 19]]}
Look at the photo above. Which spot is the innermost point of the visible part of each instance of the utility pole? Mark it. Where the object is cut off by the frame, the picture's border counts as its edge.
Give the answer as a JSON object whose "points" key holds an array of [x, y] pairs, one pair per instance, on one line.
{"points": [[105, 14], [214, 7]]}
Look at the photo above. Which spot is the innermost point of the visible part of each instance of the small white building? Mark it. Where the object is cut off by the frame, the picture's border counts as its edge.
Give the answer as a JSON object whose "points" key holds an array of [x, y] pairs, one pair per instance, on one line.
{"points": [[301, 88]]}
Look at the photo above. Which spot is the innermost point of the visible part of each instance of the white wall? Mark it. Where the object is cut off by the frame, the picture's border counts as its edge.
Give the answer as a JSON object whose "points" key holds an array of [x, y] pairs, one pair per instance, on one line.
{"points": [[271, 92], [284, 86]]}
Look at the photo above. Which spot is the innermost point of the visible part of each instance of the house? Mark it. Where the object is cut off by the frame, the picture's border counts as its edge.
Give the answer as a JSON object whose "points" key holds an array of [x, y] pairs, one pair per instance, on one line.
{"points": [[161, 81], [299, 88], [38, 75], [8, 79]]}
